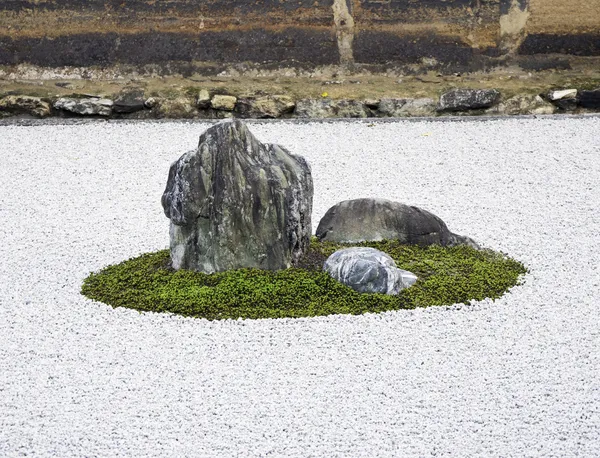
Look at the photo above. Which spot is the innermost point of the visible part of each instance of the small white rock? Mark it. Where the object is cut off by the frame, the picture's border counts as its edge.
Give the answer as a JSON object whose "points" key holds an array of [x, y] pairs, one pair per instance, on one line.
{"points": [[150, 102], [563, 94]]}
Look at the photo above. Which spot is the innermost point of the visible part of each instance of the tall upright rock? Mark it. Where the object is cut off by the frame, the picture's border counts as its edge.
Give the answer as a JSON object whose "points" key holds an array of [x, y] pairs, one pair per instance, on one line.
{"points": [[235, 202]]}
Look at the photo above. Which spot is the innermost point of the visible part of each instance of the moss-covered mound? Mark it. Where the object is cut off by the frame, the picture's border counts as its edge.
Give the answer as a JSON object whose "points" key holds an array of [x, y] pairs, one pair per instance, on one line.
{"points": [[446, 276]]}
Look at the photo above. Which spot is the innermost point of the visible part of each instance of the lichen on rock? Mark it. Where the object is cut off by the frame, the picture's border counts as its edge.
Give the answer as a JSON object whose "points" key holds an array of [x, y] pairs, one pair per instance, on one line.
{"points": [[237, 203]]}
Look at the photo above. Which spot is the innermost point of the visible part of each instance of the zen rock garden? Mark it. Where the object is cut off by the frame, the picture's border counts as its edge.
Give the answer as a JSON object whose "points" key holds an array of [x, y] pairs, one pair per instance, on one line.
{"points": [[236, 203], [241, 245]]}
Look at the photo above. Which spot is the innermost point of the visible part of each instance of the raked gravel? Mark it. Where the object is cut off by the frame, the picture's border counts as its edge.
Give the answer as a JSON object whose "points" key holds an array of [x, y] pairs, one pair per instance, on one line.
{"points": [[516, 377]]}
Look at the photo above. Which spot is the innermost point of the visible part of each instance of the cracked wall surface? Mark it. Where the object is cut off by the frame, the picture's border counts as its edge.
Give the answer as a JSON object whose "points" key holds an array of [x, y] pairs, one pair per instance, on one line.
{"points": [[421, 34]]}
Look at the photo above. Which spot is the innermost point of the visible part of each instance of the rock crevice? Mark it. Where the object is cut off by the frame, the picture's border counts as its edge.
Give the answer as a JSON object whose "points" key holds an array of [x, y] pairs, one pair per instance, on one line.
{"points": [[237, 203]]}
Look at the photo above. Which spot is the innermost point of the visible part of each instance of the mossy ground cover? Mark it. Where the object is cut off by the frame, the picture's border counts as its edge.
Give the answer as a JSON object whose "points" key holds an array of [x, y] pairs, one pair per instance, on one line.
{"points": [[446, 276]]}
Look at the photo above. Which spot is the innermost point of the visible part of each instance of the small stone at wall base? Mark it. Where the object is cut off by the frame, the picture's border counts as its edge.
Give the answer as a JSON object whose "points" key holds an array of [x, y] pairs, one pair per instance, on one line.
{"points": [[565, 100], [522, 105], [327, 108], [223, 102], [87, 106], [351, 109], [368, 270], [468, 99], [150, 102], [398, 108], [23, 104], [373, 104], [264, 107], [562, 94], [129, 101], [181, 107], [203, 99]]}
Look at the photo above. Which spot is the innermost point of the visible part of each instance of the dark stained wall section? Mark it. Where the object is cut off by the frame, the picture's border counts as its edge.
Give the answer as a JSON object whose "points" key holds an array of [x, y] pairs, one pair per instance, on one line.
{"points": [[585, 44], [381, 47], [454, 34], [287, 47], [176, 7]]}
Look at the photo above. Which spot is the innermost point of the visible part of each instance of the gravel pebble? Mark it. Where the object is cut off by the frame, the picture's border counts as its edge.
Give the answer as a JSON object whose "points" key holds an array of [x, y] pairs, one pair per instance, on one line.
{"points": [[515, 377]]}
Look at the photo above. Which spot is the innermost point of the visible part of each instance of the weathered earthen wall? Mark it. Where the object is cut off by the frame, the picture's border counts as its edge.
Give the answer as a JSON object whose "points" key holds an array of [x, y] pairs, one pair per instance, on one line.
{"points": [[420, 34]]}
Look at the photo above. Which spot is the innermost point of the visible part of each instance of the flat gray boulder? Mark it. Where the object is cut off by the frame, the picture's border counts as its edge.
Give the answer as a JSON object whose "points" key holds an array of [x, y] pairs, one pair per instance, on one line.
{"points": [[273, 106], [398, 108], [468, 99], [22, 104], [129, 100], [234, 203], [360, 220], [327, 108], [86, 106], [368, 270]]}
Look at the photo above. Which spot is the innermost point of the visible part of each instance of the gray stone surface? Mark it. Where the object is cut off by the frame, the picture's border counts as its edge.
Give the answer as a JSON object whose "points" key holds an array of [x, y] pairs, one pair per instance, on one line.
{"points": [[23, 104], [86, 106], [368, 270], [565, 99], [235, 202], [398, 108], [129, 101], [350, 109], [223, 102], [150, 102], [468, 99], [327, 108], [562, 94], [361, 220], [265, 107], [179, 107], [203, 99], [522, 104]]}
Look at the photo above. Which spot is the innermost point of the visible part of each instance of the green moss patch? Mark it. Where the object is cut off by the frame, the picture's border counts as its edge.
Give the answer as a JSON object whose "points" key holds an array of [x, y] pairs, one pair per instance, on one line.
{"points": [[446, 276]]}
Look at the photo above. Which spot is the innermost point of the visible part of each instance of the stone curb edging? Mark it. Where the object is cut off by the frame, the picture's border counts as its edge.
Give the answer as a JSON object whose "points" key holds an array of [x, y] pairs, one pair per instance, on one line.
{"points": [[132, 104]]}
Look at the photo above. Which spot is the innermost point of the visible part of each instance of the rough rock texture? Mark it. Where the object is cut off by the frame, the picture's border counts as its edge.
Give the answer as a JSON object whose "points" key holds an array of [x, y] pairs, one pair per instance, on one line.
{"points": [[87, 106], [590, 99], [150, 102], [562, 94], [22, 104], [523, 104], [468, 99], [379, 219], [373, 104], [564, 100], [397, 108], [129, 101], [350, 109], [235, 202], [327, 108], [203, 99], [368, 270], [265, 107], [180, 107], [223, 102], [313, 108]]}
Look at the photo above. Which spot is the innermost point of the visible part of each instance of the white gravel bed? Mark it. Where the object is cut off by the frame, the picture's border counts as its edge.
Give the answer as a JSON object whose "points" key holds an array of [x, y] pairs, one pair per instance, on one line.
{"points": [[516, 377]]}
